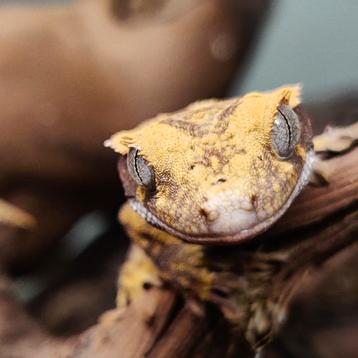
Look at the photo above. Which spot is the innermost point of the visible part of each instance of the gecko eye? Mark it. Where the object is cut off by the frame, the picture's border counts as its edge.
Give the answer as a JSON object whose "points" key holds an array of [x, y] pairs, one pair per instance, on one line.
{"points": [[286, 131], [139, 169]]}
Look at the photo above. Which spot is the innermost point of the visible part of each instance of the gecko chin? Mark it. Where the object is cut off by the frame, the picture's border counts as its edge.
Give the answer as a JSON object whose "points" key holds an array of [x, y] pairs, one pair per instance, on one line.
{"points": [[231, 225]]}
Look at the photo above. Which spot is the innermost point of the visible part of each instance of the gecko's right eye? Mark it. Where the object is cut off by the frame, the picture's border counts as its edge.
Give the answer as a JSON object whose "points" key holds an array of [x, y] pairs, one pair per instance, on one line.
{"points": [[139, 169], [286, 131]]}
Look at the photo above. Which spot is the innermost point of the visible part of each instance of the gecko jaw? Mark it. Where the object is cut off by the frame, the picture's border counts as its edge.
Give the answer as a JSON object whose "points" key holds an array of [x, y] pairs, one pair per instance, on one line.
{"points": [[233, 238]]}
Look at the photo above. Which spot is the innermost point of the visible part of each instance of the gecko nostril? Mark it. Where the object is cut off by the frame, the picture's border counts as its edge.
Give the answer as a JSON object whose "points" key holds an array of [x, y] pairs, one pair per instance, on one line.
{"points": [[253, 199], [210, 215], [218, 181]]}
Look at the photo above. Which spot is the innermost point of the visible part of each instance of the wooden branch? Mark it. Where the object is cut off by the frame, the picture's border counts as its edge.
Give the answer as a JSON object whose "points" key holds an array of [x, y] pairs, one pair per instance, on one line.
{"points": [[317, 203], [321, 223]]}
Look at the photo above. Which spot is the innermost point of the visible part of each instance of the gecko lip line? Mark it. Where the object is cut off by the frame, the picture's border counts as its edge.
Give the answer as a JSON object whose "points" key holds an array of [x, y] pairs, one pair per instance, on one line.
{"points": [[234, 237]]}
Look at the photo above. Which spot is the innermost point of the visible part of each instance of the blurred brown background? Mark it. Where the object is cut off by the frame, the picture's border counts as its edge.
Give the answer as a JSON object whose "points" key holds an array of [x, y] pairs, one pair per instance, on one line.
{"points": [[73, 73]]}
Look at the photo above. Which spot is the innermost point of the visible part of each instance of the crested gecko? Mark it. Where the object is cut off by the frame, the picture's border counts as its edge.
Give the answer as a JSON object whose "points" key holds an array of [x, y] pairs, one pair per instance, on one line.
{"points": [[218, 172]]}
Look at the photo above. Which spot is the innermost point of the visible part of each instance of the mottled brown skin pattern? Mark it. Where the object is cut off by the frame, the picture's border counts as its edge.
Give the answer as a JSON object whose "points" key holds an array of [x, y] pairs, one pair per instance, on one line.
{"points": [[216, 180]]}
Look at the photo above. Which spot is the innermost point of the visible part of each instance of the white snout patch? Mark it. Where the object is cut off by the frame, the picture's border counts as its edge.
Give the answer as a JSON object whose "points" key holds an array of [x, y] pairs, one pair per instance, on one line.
{"points": [[230, 213]]}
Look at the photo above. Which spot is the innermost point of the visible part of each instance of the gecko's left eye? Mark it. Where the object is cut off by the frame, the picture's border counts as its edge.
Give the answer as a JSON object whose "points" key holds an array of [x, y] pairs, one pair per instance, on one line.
{"points": [[285, 132], [139, 169]]}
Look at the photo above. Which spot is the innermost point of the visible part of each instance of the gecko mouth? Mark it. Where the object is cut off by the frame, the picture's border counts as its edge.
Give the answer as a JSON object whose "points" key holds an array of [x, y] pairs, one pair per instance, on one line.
{"points": [[235, 237]]}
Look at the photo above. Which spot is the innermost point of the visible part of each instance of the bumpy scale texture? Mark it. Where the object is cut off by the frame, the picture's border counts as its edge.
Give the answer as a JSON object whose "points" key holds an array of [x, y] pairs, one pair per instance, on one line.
{"points": [[217, 177]]}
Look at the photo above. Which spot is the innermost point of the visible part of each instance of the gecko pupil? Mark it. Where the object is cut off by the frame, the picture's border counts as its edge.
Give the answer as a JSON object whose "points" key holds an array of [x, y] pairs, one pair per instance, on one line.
{"points": [[288, 126], [285, 131]]}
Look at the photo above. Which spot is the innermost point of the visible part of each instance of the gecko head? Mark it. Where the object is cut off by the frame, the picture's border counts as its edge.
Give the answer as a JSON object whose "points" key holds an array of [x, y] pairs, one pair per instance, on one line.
{"points": [[218, 171]]}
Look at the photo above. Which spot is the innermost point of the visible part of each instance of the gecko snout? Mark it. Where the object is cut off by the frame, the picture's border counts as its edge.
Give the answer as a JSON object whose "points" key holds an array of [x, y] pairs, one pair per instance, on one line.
{"points": [[227, 213]]}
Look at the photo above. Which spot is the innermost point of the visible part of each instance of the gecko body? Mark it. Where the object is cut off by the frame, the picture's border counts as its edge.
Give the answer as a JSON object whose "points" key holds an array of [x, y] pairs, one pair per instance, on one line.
{"points": [[217, 172]]}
